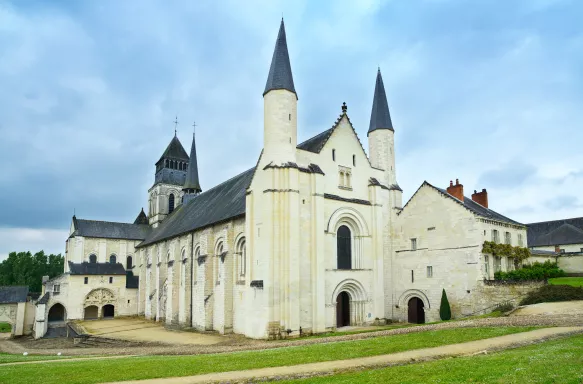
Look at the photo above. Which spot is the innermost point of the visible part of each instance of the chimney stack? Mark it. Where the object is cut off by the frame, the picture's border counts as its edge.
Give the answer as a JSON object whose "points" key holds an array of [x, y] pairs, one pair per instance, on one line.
{"points": [[481, 198], [45, 279], [456, 190]]}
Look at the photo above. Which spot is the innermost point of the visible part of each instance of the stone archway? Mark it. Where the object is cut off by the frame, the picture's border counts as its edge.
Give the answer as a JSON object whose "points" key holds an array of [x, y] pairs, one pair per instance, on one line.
{"points": [[91, 312], [57, 314], [342, 310], [415, 311], [108, 311], [350, 299], [99, 298]]}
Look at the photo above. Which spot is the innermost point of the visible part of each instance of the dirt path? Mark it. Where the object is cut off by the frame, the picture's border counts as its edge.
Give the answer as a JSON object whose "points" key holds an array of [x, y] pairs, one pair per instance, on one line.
{"points": [[563, 308], [233, 343], [469, 348]]}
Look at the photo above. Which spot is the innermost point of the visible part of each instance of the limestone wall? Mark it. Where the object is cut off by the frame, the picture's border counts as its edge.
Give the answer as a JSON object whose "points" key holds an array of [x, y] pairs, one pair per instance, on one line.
{"points": [[487, 294]]}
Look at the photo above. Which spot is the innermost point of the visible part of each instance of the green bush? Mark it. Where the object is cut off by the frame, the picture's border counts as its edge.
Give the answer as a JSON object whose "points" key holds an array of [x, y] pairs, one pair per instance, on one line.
{"points": [[503, 308], [552, 293], [444, 308], [5, 327], [535, 271]]}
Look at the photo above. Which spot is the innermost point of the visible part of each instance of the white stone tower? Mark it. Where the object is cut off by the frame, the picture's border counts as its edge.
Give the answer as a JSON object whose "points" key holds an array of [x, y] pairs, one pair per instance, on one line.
{"points": [[381, 147], [280, 103]]}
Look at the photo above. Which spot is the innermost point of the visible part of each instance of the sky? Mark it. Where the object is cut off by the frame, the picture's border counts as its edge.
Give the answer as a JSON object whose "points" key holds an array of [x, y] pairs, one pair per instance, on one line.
{"points": [[489, 92]]}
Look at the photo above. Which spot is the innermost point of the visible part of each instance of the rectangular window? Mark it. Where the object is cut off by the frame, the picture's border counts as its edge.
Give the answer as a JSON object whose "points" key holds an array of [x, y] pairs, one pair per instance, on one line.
{"points": [[110, 279], [520, 243], [497, 263], [495, 237], [562, 250], [412, 276], [354, 160], [581, 250], [56, 288], [86, 280], [487, 266], [508, 238], [413, 244], [333, 155], [430, 271]]}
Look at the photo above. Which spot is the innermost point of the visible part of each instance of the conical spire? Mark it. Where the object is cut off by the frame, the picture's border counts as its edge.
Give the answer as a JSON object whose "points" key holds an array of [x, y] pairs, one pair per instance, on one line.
{"points": [[142, 218], [280, 74], [192, 185], [380, 118]]}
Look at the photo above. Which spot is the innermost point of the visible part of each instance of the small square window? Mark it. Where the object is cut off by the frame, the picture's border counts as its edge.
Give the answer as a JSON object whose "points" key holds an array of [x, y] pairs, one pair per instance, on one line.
{"points": [[413, 244], [562, 250], [110, 279], [86, 280], [56, 288], [429, 271]]}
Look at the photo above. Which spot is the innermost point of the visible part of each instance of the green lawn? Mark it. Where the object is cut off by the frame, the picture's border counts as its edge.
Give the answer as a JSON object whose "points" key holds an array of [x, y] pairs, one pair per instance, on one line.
{"points": [[135, 368], [572, 281], [558, 361], [5, 327]]}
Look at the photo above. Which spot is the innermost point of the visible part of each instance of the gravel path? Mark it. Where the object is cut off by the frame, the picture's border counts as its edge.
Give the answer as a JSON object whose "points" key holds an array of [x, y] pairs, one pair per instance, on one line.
{"points": [[242, 344], [303, 370]]}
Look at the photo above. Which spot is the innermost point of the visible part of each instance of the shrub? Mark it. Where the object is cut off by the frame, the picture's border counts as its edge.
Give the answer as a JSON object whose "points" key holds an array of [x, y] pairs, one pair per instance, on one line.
{"points": [[444, 309], [535, 271], [552, 293], [5, 327], [506, 307]]}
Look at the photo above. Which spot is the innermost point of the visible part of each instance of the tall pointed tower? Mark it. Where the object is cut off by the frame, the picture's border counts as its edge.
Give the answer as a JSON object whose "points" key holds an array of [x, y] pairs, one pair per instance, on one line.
{"points": [[280, 103], [166, 193], [191, 185]]}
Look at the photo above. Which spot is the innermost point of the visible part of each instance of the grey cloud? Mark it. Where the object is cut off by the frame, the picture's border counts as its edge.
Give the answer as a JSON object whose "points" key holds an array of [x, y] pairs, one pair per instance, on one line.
{"points": [[563, 202], [511, 175]]}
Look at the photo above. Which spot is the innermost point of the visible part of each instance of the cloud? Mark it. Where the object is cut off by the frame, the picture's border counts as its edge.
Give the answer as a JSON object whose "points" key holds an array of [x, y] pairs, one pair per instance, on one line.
{"points": [[33, 240], [90, 89], [563, 202]]}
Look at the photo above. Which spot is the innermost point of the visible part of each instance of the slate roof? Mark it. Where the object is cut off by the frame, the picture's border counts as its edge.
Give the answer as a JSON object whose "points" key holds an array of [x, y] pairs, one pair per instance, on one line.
{"points": [[174, 150], [86, 268], [109, 229], [132, 281], [479, 209], [470, 205], [543, 253], [192, 182], [13, 294], [280, 73], [45, 298], [380, 118], [316, 143], [223, 202], [142, 218], [556, 232]]}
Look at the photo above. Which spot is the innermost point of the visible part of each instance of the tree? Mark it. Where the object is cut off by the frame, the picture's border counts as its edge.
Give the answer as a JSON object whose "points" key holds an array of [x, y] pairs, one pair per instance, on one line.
{"points": [[23, 268], [444, 309]]}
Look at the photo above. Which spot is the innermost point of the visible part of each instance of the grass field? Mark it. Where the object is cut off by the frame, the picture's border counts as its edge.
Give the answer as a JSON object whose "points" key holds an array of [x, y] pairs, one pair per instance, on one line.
{"points": [[134, 368], [11, 358], [5, 328], [572, 281], [558, 361]]}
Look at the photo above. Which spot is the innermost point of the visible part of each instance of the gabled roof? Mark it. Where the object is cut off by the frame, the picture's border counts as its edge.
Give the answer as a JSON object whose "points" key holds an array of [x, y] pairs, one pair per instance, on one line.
{"points": [[109, 230], [380, 118], [192, 182], [470, 205], [317, 143], [142, 218], [175, 151], [223, 202], [13, 294], [280, 73], [86, 268], [556, 232]]}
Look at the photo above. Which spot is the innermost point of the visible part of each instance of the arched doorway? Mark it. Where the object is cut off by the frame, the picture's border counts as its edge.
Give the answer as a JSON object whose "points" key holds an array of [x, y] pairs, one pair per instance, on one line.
{"points": [[108, 311], [342, 310], [416, 311], [91, 312], [57, 313]]}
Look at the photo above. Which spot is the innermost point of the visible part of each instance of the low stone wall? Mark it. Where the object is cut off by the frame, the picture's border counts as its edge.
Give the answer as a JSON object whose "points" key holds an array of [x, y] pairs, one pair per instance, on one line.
{"points": [[490, 293]]}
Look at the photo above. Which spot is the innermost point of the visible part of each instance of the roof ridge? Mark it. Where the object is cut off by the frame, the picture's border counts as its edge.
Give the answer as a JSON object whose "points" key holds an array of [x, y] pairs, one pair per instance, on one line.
{"points": [[556, 221], [313, 137], [226, 181], [113, 222]]}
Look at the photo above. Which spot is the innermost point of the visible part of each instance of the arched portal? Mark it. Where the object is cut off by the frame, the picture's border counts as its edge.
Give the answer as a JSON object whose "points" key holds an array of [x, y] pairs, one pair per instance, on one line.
{"points": [[108, 311], [91, 312], [342, 310], [57, 313], [416, 311]]}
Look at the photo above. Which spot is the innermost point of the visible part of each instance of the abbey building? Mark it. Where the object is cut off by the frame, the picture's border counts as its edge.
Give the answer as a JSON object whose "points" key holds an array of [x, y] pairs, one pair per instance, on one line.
{"points": [[313, 237]]}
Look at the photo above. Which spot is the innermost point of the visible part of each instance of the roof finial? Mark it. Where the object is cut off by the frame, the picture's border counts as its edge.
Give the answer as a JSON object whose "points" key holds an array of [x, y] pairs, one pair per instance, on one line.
{"points": [[344, 107], [175, 125], [193, 128]]}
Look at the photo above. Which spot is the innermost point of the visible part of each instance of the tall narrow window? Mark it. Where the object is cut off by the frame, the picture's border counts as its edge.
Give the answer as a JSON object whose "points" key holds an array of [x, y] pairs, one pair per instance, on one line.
{"points": [[413, 244], [129, 262], [112, 259], [110, 279], [520, 243], [344, 248], [92, 259], [507, 238], [495, 237], [487, 266], [171, 203], [242, 257], [334, 155], [412, 276], [85, 280], [354, 160], [429, 271]]}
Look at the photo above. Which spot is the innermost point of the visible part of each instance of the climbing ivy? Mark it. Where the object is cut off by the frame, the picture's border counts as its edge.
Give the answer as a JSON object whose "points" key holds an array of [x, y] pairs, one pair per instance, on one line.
{"points": [[517, 253]]}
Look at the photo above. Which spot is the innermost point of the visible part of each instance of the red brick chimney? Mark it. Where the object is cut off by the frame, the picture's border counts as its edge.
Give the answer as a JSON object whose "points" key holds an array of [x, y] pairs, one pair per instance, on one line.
{"points": [[481, 198], [456, 190]]}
